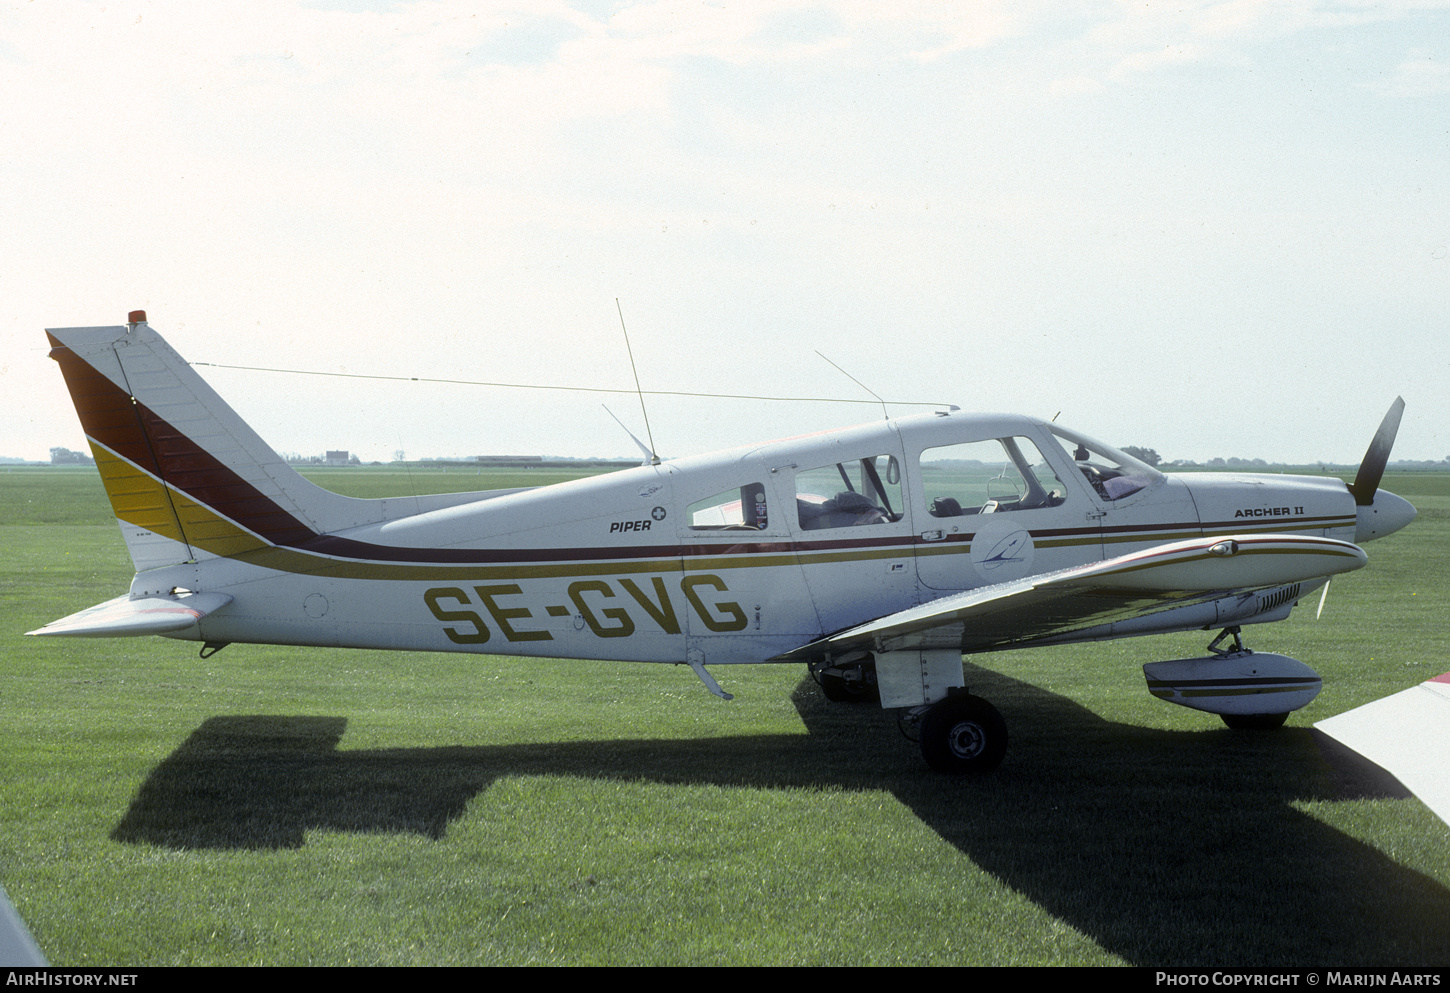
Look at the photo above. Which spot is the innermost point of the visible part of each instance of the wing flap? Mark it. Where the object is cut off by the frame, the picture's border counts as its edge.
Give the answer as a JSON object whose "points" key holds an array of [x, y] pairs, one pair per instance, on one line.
{"points": [[127, 617], [1177, 574]]}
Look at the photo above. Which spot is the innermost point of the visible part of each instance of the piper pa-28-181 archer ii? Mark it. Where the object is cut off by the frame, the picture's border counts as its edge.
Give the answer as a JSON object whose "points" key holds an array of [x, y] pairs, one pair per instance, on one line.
{"points": [[876, 555]]}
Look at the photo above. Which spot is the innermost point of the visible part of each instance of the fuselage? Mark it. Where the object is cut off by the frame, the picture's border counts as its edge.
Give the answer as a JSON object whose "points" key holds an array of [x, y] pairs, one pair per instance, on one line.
{"points": [[738, 556]]}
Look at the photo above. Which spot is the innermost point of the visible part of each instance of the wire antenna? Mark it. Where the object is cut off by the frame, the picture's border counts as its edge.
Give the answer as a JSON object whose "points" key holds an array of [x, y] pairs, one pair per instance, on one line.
{"points": [[863, 386], [565, 389], [654, 459]]}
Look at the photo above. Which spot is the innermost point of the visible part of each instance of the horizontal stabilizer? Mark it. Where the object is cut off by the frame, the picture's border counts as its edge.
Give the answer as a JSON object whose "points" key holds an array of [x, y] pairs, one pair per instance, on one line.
{"points": [[1408, 735], [125, 617]]}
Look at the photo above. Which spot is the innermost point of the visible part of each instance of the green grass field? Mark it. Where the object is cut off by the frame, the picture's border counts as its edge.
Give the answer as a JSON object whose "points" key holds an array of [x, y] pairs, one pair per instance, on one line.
{"points": [[311, 806]]}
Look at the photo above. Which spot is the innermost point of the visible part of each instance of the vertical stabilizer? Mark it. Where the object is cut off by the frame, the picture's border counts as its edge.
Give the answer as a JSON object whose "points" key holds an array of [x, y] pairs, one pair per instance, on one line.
{"points": [[183, 471]]}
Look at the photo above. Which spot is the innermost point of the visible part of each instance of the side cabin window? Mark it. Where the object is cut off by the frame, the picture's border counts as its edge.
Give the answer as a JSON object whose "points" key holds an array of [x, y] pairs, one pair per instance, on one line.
{"points": [[849, 494], [742, 508], [1111, 474], [988, 477]]}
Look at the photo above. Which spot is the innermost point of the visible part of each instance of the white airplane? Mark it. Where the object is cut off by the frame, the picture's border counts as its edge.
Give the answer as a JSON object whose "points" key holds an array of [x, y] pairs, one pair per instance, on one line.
{"points": [[876, 555]]}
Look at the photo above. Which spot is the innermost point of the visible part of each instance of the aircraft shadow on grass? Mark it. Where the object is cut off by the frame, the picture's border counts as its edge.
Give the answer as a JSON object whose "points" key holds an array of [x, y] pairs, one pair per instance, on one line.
{"points": [[1164, 847]]}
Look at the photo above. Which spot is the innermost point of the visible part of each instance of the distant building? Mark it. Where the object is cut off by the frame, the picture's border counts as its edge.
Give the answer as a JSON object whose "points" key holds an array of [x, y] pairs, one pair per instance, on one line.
{"points": [[515, 460], [335, 458]]}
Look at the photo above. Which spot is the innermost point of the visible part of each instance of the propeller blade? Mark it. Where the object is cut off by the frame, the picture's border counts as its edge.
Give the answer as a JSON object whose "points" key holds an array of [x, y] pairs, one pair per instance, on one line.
{"points": [[1372, 468], [1322, 597]]}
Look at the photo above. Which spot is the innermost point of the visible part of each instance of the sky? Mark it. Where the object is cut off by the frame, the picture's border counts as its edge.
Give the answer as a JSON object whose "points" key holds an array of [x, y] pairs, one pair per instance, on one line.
{"points": [[1207, 228]]}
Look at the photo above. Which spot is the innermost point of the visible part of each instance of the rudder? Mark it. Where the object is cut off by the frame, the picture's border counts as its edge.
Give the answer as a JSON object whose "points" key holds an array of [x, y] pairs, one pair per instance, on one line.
{"points": [[185, 475]]}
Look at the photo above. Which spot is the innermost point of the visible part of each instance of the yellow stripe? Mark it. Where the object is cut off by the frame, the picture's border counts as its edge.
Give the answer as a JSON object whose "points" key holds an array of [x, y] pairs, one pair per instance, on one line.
{"points": [[136, 497], [139, 498], [207, 529]]}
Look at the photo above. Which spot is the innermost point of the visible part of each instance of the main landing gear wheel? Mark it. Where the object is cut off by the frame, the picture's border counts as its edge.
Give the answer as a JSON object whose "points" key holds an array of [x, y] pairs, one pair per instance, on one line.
{"points": [[1254, 722], [963, 734]]}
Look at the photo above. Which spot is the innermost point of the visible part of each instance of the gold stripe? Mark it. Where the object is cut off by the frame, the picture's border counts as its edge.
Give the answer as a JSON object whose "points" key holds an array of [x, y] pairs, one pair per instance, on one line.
{"points": [[139, 498], [308, 564], [207, 529], [136, 497]]}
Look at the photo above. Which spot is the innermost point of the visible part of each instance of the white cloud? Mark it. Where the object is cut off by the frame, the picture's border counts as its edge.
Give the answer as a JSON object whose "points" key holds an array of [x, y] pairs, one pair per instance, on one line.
{"points": [[1422, 74], [964, 197]]}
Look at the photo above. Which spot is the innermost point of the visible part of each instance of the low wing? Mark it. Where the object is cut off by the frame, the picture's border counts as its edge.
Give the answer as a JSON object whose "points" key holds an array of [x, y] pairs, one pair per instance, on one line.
{"points": [[124, 617], [1408, 735], [1178, 574]]}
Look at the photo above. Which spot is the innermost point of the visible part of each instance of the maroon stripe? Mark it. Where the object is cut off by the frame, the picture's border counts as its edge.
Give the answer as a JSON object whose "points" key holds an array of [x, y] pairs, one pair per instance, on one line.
{"points": [[845, 543], [198, 474], [347, 548], [136, 433], [107, 414], [133, 431]]}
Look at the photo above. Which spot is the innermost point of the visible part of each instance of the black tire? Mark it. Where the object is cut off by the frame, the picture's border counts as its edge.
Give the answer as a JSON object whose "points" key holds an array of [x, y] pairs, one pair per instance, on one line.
{"points": [[1254, 722], [963, 734], [839, 690]]}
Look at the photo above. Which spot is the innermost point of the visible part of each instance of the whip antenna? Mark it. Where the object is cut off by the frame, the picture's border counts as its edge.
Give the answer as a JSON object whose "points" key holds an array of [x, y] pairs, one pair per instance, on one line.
{"points": [[858, 382], [653, 458]]}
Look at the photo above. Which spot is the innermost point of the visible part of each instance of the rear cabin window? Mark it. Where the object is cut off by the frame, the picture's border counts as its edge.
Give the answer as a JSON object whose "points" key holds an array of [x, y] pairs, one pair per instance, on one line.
{"points": [[742, 508], [987, 477], [849, 494]]}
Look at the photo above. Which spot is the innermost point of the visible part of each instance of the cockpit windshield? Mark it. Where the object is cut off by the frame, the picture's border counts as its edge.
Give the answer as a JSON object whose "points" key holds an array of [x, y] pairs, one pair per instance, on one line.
{"points": [[1112, 474]]}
